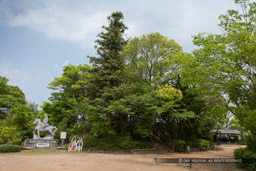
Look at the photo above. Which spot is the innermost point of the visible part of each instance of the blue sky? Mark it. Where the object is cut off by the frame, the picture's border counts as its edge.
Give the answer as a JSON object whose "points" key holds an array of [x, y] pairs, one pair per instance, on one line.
{"points": [[38, 38]]}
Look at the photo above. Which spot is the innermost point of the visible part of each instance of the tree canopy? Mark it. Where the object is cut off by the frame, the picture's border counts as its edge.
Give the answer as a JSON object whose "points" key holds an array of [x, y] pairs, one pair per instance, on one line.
{"points": [[136, 88], [131, 88], [15, 116], [225, 63]]}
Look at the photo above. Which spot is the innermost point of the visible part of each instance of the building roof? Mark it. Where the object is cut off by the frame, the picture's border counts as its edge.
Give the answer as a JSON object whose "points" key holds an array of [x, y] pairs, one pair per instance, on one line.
{"points": [[225, 131]]}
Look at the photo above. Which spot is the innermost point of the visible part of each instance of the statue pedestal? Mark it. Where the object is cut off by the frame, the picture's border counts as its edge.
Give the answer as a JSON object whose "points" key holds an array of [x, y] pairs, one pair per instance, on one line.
{"points": [[41, 143]]}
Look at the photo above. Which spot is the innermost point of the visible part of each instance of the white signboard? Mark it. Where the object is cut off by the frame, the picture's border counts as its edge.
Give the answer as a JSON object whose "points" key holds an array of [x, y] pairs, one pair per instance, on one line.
{"points": [[42, 144], [63, 135]]}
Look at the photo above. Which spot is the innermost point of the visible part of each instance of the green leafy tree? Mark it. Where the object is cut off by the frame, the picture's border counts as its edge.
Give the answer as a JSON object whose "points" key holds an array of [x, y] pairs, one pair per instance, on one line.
{"points": [[15, 117], [10, 135], [169, 96], [136, 109], [107, 74], [226, 62], [33, 108], [130, 89], [65, 108], [156, 61], [10, 96], [152, 58]]}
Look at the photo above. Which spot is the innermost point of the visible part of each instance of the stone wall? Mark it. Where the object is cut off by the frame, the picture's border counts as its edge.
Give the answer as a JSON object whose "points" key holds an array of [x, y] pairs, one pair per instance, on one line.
{"points": [[41, 143]]}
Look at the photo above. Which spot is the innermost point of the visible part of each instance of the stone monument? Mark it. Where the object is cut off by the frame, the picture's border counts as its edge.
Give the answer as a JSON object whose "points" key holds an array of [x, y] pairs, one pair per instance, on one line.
{"points": [[46, 142]]}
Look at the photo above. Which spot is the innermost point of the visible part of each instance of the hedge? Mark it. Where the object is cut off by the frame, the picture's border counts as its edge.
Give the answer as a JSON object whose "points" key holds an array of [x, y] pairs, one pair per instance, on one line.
{"points": [[179, 145], [202, 144], [6, 148], [115, 143], [248, 158]]}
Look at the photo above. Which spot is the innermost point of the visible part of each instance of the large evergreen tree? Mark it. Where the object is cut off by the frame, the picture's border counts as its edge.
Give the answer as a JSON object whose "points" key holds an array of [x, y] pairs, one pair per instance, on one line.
{"points": [[107, 76], [108, 66]]}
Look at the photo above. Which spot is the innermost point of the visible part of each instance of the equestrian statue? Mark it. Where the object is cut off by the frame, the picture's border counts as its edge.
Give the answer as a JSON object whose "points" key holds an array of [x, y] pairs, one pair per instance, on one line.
{"points": [[44, 127]]}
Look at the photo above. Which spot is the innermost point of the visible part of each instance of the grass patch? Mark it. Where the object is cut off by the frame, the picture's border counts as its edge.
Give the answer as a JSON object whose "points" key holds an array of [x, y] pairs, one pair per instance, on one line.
{"points": [[43, 151]]}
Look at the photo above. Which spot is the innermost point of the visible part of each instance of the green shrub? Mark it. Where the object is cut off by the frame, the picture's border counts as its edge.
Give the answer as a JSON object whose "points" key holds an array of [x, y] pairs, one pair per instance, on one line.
{"points": [[205, 145], [139, 144], [6, 148], [118, 142], [251, 142], [207, 136], [179, 145], [248, 158], [10, 135], [202, 144], [105, 143], [43, 134], [193, 143]]}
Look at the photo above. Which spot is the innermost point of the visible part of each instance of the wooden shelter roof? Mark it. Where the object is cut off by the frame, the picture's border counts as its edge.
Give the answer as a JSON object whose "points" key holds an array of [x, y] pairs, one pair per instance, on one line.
{"points": [[225, 131]]}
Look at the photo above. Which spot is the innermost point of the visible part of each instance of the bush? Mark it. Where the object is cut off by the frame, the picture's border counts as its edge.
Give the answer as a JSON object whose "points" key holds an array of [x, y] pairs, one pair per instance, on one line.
{"points": [[115, 143], [193, 143], [139, 144], [205, 145], [10, 135], [106, 143], [248, 158], [179, 145], [251, 142], [6, 148], [43, 134], [202, 144]]}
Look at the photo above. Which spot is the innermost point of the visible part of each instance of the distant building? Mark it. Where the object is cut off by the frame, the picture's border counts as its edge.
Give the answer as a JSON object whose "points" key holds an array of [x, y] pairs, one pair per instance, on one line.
{"points": [[225, 135]]}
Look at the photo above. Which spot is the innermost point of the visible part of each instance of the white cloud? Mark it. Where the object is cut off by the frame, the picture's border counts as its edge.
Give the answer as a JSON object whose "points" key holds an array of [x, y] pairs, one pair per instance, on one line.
{"points": [[80, 21], [59, 68], [13, 74], [56, 19], [60, 24], [66, 62], [33, 84]]}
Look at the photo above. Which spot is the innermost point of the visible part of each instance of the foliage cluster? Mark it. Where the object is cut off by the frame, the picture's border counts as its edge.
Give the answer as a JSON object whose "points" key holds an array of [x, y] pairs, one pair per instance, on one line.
{"points": [[179, 145], [136, 85], [201, 144], [130, 88], [146, 83], [7, 148], [224, 64], [248, 158], [251, 142], [120, 142], [15, 114]]}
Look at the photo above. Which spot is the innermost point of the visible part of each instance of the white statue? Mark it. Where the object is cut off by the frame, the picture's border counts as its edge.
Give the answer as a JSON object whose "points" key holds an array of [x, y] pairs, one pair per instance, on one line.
{"points": [[44, 127], [45, 122]]}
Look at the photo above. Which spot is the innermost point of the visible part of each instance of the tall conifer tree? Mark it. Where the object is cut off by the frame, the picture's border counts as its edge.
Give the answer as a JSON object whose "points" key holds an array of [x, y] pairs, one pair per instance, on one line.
{"points": [[108, 67], [107, 75]]}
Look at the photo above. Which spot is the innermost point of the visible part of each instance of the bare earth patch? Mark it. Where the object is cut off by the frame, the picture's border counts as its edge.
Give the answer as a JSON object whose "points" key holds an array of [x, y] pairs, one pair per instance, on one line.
{"points": [[62, 160]]}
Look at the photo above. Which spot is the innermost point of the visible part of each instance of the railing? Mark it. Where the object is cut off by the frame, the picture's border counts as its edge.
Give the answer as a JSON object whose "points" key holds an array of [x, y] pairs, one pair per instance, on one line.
{"points": [[160, 136]]}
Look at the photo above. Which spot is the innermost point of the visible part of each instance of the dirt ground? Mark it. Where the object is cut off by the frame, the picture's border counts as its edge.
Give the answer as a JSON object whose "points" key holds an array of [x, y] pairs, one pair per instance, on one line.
{"points": [[42, 160]]}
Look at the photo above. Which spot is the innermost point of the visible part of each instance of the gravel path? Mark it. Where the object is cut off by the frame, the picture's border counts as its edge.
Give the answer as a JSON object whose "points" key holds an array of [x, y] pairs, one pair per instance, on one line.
{"points": [[61, 161]]}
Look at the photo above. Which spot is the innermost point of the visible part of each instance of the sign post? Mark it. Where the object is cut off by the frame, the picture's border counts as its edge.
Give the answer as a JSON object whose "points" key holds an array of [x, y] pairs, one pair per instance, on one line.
{"points": [[63, 136]]}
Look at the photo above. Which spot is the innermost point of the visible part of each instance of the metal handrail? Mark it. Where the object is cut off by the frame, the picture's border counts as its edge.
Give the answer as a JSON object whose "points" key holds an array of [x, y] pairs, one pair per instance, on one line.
{"points": [[162, 138]]}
